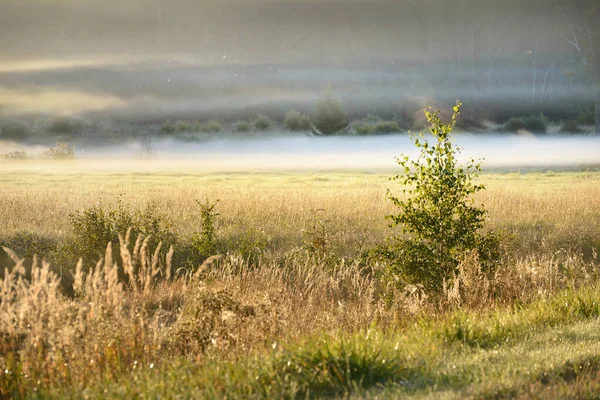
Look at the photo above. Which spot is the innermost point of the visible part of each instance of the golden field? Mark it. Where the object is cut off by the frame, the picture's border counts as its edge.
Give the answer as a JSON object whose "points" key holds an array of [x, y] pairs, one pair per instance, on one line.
{"points": [[290, 323]]}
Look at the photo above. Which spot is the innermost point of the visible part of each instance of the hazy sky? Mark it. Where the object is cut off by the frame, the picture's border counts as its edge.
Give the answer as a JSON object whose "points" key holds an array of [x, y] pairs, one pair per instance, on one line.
{"points": [[252, 30], [161, 56]]}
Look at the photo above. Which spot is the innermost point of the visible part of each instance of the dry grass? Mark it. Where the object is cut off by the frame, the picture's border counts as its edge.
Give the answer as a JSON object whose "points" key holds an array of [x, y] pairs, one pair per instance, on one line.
{"points": [[544, 212], [135, 308]]}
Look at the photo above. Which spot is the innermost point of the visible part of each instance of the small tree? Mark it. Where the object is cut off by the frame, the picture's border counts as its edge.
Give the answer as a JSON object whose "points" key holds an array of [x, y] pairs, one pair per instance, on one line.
{"points": [[205, 243], [330, 116], [439, 221], [296, 121], [262, 123]]}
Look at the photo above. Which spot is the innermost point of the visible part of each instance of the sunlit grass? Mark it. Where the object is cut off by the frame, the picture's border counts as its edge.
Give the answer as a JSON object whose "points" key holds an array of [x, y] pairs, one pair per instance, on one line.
{"points": [[540, 209], [292, 325]]}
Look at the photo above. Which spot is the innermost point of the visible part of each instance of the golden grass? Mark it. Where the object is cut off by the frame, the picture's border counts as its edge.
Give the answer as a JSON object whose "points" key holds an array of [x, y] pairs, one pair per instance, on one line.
{"points": [[552, 210], [134, 311]]}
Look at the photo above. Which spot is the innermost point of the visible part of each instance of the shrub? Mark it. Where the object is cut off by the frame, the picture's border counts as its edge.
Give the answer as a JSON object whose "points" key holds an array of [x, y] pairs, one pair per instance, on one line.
{"points": [[295, 121], [205, 243], [373, 125], [316, 240], [440, 223], [27, 244], [94, 228], [14, 131], [15, 155], [182, 126], [196, 126], [570, 126], [535, 124], [211, 127], [167, 128], [241, 126], [330, 116], [250, 244], [262, 122], [514, 125], [386, 127], [62, 151]]}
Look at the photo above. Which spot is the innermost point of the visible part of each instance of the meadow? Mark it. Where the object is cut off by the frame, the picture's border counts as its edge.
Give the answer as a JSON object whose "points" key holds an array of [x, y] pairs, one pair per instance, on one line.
{"points": [[291, 303]]}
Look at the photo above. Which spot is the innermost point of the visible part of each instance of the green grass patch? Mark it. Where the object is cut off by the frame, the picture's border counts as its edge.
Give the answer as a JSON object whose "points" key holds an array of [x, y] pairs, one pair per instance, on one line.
{"points": [[500, 327], [503, 354]]}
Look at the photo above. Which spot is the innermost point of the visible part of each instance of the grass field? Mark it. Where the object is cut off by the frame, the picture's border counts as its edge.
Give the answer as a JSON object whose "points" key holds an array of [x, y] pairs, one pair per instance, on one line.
{"points": [[274, 318]]}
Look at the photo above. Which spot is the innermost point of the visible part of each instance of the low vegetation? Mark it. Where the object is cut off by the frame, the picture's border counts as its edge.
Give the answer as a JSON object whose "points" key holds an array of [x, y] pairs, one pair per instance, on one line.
{"points": [[330, 117], [279, 289], [373, 125], [211, 127], [262, 123], [439, 220], [61, 151], [241, 127], [296, 122], [533, 124], [15, 155]]}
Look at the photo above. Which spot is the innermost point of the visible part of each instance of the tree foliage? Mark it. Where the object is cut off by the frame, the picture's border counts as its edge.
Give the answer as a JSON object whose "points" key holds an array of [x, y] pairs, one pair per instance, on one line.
{"points": [[330, 116], [438, 218]]}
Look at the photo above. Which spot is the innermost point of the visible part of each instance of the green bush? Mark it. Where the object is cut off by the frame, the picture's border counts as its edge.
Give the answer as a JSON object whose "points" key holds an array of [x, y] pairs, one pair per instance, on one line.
{"points": [[251, 244], [330, 116], [27, 244], [95, 227], [62, 151], [14, 131], [295, 121], [211, 127], [205, 243], [167, 128], [439, 221], [316, 239], [241, 126], [535, 124], [373, 125], [182, 126], [262, 122]]}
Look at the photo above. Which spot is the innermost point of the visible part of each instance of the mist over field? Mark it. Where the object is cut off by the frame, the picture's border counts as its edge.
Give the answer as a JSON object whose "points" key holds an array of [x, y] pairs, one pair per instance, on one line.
{"points": [[330, 153]]}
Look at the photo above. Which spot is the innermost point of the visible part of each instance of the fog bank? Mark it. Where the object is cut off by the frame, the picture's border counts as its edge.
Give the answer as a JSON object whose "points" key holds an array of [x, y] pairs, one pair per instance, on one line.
{"points": [[308, 153]]}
